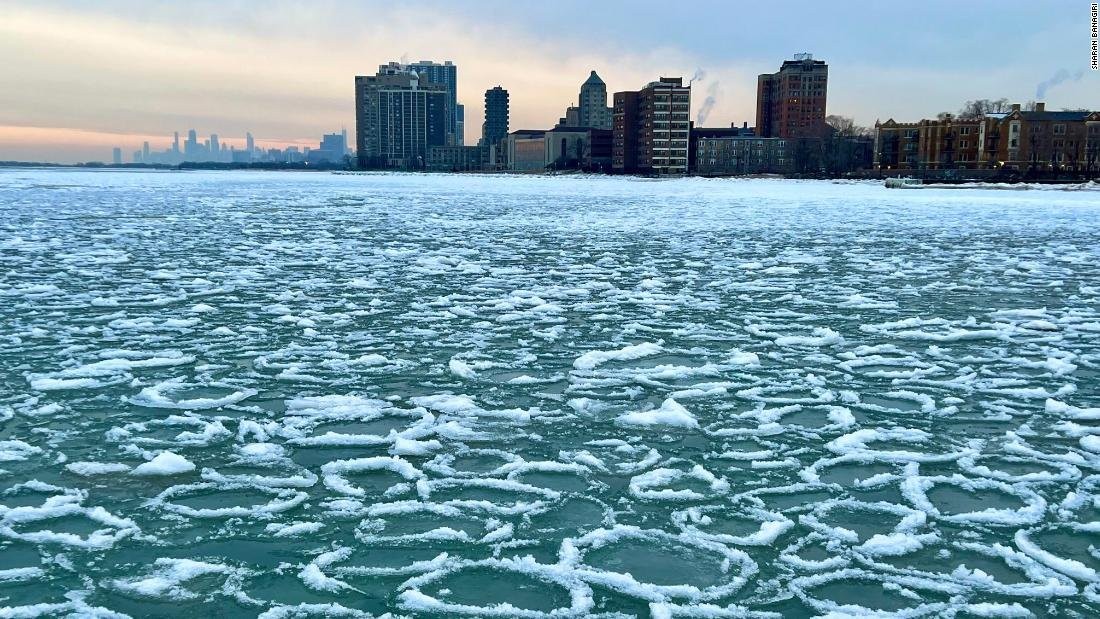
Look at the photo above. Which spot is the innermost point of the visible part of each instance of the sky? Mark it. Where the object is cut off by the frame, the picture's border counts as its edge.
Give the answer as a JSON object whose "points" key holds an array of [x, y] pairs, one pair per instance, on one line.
{"points": [[81, 77]]}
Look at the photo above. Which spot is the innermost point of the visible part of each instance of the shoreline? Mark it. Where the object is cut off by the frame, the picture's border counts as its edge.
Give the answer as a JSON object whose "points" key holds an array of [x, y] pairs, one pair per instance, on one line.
{"points": [[927, 183]]}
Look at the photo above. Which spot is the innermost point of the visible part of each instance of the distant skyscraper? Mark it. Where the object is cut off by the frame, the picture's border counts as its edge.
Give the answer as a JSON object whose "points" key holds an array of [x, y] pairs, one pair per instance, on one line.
{"points": [[332, 149], [176, 143], [446, 75], [138, 158], [116, 155], [397, 118], [191, 146], [215, 147], [791, 102], [460, 126], [249, 145], [496, 116], [593, 110], [145, 152]]}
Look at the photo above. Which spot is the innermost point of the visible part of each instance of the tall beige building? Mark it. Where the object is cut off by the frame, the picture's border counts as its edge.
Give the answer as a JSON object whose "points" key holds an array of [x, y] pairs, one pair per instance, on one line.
{"points": [[593, 110]]}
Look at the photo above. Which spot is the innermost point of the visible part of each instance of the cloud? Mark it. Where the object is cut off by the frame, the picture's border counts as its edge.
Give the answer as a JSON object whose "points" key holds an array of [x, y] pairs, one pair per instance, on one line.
{"points": [[284, 71], [285, 75]]}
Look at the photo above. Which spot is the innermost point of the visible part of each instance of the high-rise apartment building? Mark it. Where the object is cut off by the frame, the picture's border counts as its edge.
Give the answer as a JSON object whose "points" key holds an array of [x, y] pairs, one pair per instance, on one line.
{"points": [[460, 126], [592, 109], [651, 127], [496, 116], [397, 118], [790, 103], [442, 74]]}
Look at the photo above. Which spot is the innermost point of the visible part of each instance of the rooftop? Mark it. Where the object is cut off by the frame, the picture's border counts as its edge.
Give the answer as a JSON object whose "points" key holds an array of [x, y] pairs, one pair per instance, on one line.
{"points": [[1044, 115], [567, 129], [594, 79]]}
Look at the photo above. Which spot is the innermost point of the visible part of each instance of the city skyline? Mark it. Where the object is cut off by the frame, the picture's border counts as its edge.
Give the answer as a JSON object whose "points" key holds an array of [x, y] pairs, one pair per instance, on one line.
{"points": [[136, 72]]}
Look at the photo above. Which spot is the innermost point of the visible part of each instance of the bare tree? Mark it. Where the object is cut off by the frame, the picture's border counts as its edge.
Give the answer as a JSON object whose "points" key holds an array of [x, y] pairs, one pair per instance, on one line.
{"points": [[845, 126], [978, 108]]}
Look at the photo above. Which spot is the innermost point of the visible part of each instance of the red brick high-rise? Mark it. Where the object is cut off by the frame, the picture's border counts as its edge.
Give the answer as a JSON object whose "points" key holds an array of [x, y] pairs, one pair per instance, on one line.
{"points": [[791, 102]]}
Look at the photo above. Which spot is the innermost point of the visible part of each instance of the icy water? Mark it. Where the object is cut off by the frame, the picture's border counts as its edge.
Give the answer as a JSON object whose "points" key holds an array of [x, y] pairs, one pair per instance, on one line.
{"points": [[306, 395]]}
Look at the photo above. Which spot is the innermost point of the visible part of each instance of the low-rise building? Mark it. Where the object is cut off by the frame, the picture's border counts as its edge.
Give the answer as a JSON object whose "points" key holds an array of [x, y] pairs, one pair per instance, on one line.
{"points": [[1022, 140], [565, 147], [525, 150], [598, 157], [1048, 141], [726, 155], [897, 145], [943, 144], [698, 133], [578, 148], [458, 158]]}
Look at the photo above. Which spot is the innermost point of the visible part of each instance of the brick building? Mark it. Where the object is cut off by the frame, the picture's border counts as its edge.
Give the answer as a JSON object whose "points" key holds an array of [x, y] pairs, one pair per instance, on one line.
{"points": [[1021, 140], [1042, 140], [651, 128], [945, 144], [791, 102], [740, 154]]}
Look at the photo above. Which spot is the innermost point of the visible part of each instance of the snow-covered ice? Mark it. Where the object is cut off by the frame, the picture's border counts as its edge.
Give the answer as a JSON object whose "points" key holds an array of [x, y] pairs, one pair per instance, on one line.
{"points": [[325, 395]]}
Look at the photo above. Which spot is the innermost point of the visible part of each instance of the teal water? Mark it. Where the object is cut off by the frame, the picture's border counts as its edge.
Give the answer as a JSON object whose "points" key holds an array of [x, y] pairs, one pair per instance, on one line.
{"points": [[305, 395]]}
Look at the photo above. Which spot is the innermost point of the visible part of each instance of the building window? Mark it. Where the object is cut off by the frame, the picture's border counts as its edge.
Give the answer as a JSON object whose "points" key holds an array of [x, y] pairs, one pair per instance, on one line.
{"points": [[1059, 129], [964, 131]]}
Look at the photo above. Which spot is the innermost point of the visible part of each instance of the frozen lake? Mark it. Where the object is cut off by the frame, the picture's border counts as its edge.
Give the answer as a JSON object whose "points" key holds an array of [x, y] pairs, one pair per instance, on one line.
{"points": [[308, 395]]}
